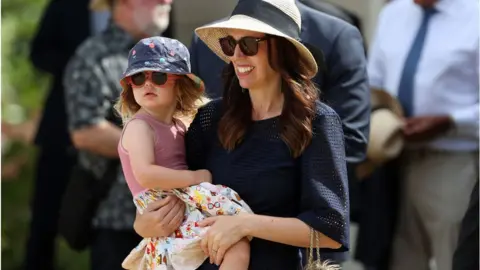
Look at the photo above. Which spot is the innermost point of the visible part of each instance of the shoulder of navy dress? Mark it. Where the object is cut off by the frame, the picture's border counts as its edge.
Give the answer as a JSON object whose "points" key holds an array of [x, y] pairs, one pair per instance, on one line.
{"points": [[323, 110], [326, 120], [210, 109], [207, 115], [213, 104]]}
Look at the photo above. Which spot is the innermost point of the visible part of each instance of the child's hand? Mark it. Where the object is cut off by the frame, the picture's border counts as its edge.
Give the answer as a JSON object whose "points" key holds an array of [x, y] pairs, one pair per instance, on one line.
{"points": [[201, 176]]}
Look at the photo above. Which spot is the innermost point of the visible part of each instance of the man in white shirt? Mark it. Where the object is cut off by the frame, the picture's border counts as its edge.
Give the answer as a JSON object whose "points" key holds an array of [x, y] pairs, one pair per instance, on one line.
{"points": [[426, 52]]}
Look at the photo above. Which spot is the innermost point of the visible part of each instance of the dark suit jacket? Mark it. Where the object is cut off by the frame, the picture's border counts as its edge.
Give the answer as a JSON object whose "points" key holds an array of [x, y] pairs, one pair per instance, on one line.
{"points": [[343, 85], [335, 11], [64, 25]]}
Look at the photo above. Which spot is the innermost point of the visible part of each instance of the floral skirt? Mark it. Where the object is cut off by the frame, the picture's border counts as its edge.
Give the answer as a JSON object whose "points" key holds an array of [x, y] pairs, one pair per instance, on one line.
{"points": [[182, 249]]}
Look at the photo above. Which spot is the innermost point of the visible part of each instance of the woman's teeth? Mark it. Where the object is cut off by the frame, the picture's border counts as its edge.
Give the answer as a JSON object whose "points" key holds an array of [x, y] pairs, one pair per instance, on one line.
{"points": [[244, 69]]}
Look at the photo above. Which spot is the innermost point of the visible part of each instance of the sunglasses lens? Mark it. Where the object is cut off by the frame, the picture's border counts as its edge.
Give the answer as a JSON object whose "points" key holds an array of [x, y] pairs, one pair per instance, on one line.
{"points": [[138, 79], [228, 45], [159, 78], [249, 46]]}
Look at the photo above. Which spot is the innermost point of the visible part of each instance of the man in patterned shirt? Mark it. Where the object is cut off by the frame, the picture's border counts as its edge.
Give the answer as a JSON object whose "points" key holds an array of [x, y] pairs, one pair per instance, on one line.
{"points": [[91, 84]]}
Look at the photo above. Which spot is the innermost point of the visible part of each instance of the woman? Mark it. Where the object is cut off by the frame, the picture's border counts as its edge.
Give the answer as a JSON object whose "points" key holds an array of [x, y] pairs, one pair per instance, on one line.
{"points": [[271, 140]]}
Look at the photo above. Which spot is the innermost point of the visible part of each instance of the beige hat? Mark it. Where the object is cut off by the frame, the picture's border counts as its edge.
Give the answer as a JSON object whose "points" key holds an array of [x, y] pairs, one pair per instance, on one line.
{"points": [[273, 17], [386, 137], [99, 5]]}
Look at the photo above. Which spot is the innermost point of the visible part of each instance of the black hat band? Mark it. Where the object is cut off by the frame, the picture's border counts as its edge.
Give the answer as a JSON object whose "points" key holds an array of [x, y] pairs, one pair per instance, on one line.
{"points": [[270, 15]]}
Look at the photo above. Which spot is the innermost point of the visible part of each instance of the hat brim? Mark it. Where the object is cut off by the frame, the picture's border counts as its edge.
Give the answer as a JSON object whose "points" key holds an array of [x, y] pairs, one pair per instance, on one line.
{"points": [[386, 141], [210, 35], [198, 82], [380, 98], [386, 138]]}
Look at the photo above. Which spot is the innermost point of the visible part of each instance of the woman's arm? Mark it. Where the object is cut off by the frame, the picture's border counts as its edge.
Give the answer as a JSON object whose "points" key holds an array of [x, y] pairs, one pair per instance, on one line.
{"points": [[138, 140], [289, 231], [324, 199]]}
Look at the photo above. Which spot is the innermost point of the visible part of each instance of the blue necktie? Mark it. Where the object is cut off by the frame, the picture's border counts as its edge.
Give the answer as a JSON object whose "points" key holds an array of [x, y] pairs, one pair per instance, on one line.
{"points": [[405, 89]]}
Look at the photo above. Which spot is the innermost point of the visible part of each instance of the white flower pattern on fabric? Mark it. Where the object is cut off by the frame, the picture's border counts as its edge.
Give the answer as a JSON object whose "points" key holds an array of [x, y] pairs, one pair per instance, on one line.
{"points": [[182, 249]]}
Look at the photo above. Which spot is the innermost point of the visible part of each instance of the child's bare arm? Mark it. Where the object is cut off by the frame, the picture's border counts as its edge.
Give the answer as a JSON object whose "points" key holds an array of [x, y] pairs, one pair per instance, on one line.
{"points": [[237, 257], [138, 140]]}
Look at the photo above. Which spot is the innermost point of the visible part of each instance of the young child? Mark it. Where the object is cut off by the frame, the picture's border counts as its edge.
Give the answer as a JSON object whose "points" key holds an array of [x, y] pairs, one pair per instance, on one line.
{"points": [[158, 90]]}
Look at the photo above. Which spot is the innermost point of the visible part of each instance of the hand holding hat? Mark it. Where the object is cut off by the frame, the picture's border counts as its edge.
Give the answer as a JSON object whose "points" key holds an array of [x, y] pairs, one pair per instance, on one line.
{"points": [[426, 128]]}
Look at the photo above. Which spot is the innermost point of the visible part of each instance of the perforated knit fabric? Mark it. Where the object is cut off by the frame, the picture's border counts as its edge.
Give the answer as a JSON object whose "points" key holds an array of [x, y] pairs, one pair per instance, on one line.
{"points": [[313, 187]]}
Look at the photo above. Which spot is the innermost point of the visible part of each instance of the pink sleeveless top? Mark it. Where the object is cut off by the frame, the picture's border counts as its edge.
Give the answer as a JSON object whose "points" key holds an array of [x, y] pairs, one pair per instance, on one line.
{"points": [[169, 149]]}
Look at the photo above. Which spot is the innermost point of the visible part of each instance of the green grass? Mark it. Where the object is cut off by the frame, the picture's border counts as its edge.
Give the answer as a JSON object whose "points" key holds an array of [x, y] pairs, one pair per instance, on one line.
{"points": [[16, 196]]}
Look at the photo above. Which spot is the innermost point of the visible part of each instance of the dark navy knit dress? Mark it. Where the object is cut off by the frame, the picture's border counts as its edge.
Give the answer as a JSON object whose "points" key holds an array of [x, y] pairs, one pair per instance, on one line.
{"points": [[312, 187]]}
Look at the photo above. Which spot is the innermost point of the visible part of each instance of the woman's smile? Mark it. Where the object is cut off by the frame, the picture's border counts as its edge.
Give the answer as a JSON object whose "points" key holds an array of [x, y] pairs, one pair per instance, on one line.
{"points": [[244, 70]]}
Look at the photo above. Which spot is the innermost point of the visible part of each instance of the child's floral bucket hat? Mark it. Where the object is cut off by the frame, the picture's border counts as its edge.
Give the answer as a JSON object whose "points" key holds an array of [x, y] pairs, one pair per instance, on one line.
{"points": [[160, 54]]}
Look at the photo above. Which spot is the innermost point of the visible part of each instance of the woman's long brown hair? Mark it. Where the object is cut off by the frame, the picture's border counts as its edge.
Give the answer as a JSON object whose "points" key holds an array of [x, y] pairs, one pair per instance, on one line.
{"points": [[298, 111]]}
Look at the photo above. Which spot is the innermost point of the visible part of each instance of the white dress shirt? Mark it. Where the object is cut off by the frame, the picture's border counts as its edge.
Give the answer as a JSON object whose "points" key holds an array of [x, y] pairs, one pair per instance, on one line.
{"points": [[447, 79]]}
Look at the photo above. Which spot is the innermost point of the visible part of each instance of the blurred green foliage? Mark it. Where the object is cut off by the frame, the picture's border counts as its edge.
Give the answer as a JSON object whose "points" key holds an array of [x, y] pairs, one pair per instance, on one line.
{"points": [[21, 83], [23, 91]]}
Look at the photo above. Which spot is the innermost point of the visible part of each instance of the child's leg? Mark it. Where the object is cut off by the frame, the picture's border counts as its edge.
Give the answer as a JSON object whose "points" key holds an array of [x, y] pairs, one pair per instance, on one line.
{"points": [[237, 257]]}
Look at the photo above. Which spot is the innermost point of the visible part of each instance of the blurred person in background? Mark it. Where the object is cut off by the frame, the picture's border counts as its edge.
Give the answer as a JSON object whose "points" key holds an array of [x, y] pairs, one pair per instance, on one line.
{"points": [[425, 52], [91, 83], [64, 25], [343, 82]]}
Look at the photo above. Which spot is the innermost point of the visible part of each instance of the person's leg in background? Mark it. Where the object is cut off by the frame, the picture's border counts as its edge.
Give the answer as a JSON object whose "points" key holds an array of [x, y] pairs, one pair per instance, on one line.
{"points": [[52, 174], [410, 248], [433, 206], [450, 178], [110, 247]]}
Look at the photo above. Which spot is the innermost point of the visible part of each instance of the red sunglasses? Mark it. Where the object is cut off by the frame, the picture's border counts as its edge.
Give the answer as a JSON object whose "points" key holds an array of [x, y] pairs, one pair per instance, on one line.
{"points": [[157, 78]]}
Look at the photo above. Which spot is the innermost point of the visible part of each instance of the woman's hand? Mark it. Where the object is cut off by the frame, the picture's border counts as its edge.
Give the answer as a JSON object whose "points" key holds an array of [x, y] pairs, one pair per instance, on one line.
{"points": [[225, 231], [161, 218]]}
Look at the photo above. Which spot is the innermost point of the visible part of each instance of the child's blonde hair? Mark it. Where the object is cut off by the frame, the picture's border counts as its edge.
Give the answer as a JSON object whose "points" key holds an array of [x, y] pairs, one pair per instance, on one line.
{"points": [[189, 99]]}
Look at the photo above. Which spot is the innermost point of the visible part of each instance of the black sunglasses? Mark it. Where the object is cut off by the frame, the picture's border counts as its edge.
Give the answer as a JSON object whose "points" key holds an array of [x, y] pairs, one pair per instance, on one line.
{"points": [[248, 45], [158, 78]]}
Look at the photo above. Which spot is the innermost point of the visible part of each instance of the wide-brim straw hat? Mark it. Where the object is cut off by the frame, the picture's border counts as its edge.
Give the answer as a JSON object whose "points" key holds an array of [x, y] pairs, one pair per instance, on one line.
{"points": [[386, 140], [279, 18]]}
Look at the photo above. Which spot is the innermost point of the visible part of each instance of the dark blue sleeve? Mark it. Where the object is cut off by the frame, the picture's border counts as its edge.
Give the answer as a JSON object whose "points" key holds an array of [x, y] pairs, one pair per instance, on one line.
{"points": [[324, 182]]}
